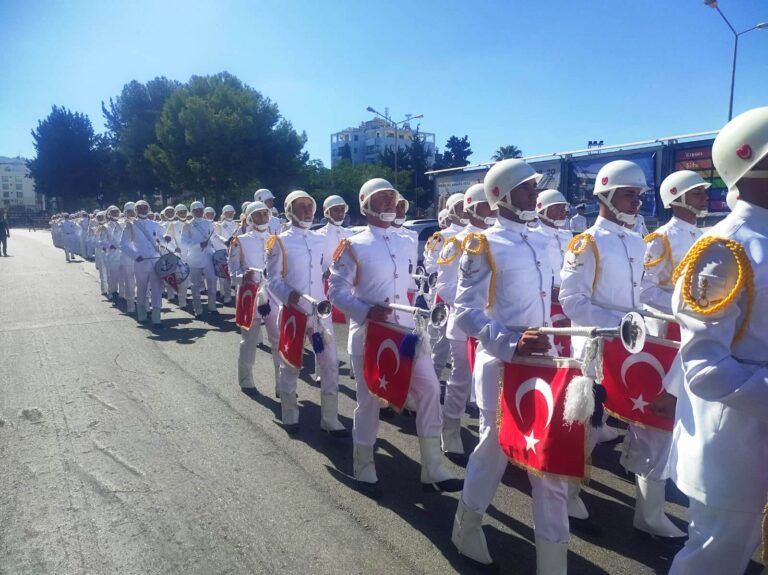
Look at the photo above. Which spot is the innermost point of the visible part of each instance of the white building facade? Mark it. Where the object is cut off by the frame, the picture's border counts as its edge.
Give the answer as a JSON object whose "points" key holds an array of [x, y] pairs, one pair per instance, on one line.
{"points": [[17, 188], [371, 138]]}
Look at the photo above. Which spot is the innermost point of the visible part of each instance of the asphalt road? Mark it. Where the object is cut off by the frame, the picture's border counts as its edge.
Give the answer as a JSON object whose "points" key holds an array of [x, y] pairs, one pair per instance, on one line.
{"points": [[124, 450]]}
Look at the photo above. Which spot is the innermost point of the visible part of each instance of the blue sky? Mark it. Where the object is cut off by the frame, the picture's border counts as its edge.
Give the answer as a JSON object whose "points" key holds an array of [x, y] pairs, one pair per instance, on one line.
{"points": [[543, 75]]}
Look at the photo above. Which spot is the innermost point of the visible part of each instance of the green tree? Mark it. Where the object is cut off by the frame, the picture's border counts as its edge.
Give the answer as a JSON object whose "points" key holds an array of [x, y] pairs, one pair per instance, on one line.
{"points": [[66, 166], [456, 154], [131, 119], [217, 136], [505, 152]]}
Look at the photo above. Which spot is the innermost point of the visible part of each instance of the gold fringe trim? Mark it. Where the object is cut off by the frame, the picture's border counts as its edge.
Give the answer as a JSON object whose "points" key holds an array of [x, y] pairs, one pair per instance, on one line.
{"points": [[579, 244], [450, 242], [667, 253]]}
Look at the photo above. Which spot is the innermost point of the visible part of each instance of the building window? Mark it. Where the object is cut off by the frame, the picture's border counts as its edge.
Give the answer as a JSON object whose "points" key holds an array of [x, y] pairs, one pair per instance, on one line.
{"points": [[6, 194], [5, 179], [19, 194], [356, 137], [6, 187], [18, 185]]}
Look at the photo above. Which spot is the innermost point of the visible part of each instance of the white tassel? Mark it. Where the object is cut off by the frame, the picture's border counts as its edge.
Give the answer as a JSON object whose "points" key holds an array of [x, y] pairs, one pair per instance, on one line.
{"points": [[579, 400]]}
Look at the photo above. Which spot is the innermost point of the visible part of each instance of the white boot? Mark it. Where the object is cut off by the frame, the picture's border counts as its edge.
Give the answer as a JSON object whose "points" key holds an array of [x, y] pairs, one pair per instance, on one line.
{"points": [[141, 313], [156, 317], [363, 465], [551, 558], [434, 475], [468, 536], [290, 411], [451, 436], [329, 415], [576, 507], [649, 509], [245, 377]]}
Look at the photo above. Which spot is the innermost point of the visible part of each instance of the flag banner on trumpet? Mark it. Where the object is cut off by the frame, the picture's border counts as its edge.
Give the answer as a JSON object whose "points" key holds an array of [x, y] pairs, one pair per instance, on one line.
{"points": [[633, 381], [387, 371], [245, 305], [532, 431], [337, 316], [471, 352], [293, 328], [561, 343]]}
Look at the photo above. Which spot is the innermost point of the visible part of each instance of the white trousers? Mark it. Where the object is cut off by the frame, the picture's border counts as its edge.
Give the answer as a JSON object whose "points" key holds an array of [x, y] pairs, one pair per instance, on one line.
{"points": [[485, 469], [225, 287], [101, 265], [197, 274], [112, 260], [459, 384], [720, 541], [646, 451], [127, 286], [441, 349], [147, 278], [251, 338], [327, 363], [424, 392]]}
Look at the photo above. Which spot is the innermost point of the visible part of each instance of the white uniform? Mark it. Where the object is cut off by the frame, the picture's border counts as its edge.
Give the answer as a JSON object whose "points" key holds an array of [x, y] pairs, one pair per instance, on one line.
{"points": [[83, 224], [275, 225], [640, 227], [200, 260], [112, 257], [520, 296], [223, 231], [174, 229], [141, 238], [558, 244], [69, 238], [578, 224], [127, 284], [719, 457], [249, 250], [333, 235], [100, 246]]}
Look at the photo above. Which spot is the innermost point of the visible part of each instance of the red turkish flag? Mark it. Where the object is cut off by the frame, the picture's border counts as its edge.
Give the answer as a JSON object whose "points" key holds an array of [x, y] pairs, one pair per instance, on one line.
{"points": [[633, 382], [532, 431], [245, 304], [673, 331], [170, 279], [293, 327], [471, 352], [387, 373], [562, 343]]}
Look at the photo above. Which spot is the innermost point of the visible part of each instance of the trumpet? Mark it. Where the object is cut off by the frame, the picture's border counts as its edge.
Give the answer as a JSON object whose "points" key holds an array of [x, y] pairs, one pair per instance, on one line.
{"points": [[320, 308], [437, 316], [632, 331], [261, 271], [422, 276]]}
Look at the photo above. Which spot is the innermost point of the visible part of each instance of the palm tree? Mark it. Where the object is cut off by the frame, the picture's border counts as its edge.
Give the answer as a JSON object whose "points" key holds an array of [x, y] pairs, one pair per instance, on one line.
{"points": [[505, 152]]}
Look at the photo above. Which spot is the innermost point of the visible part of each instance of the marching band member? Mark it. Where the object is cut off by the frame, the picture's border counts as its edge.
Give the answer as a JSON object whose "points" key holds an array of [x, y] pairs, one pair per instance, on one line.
{"points": [[219, 242], [101, 244], [720, 450], [196, 238], [458, 388], [264, 195], [69, 237], [552, 211], [223, 232], [127, 285], [82, 232], [141, 241], [369, 267], [602, 274], [112, 256], [578, 223], [335, 210], [246, 252], [295, 268], [505, 281]]}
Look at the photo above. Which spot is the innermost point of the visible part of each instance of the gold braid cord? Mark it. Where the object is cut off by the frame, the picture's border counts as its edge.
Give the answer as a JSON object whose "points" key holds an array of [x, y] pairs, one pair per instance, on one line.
{"points": [[579, 244], [474, 244], [450, 242], [346, 245], [667, 253], [433, 241], [343, 245], [744, 281], [271, 241]]}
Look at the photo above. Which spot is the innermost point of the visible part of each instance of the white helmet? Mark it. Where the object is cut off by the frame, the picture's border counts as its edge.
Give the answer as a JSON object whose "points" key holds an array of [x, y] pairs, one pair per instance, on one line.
{"points": [[101, 216], [676, 185], [442, 218], [262, 194], [474, 195], [180, 208], [368, 189], [615, 175], [505, 176], [209, 210], [731, 198], [244, 206], [129, 207], [741, 145], [292, 197], [256, 207], [331, 202], [548, 198], [166, 208], [196, 206], [227, 208]]}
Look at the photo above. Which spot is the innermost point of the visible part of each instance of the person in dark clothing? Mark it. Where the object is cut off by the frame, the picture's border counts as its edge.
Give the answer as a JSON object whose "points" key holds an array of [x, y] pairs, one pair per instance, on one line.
{"points": [[5, 233]]}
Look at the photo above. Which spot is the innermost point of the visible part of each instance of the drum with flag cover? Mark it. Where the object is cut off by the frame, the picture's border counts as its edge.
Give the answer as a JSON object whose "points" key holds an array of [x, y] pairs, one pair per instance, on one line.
{"points": [[293, 328], [532, 431], [633, 381], [221, 264], [172, 270], [245, 305], [388, 362], [561, 343]]}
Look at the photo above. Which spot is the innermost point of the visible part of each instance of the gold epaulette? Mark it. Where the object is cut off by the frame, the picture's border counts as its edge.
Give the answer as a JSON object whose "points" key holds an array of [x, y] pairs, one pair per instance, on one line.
{"points": [[271, 241], [579, 244], [667, 253], [343, 245], [433, 242], [346, 246], [745, 280], [474, 244], [451, 250]]}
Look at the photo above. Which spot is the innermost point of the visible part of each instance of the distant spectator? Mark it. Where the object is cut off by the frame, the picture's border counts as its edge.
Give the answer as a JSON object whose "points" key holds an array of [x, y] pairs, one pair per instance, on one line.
{"points": [[5, 233]]}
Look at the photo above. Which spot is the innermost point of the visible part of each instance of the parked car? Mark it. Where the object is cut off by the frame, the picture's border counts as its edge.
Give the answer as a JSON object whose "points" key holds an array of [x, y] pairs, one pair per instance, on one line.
{"points": [[425, 228]]}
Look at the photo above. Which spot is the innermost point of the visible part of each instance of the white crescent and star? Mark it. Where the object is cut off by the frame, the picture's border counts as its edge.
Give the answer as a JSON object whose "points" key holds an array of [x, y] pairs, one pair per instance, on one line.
{"points": [[529, 385], [638, 403], [290, 323], [387, 344]]}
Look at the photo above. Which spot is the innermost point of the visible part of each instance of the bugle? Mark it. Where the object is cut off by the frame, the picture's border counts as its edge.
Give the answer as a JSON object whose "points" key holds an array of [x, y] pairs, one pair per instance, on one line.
{"points": [[320, 308], [632, 331], [422, 276], [437, 316]]}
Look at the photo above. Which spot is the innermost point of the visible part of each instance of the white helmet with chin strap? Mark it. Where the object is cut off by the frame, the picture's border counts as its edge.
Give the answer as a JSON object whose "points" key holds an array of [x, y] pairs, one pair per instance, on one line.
{"points": [[368, 189], [741, 145], [292, 197], [332, 202], [401, 221], [615, 175], [255, 207], [505, 176], [442, 218], [129, 207], [475, 195], [450, 205], [676, 185], [547, 198], [262, 194]]}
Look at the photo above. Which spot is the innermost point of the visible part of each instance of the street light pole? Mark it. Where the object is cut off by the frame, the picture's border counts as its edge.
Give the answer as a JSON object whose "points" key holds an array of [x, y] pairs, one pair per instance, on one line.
{"points": [[395, 125], [760, 26]]}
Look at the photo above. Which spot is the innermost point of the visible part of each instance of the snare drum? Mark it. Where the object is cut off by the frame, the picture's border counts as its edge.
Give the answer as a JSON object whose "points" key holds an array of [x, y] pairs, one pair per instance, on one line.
{"points": [[172, 270], [221, 264]]}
